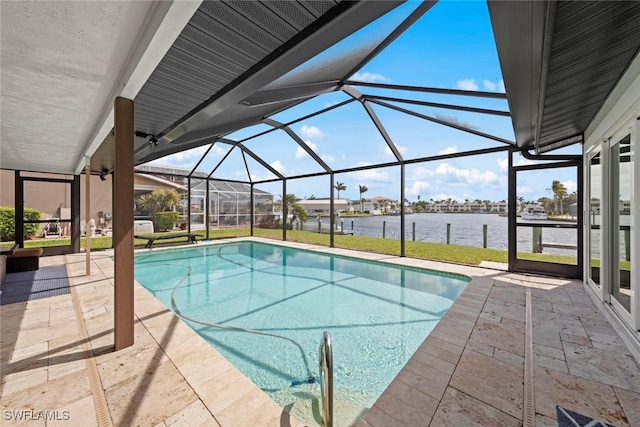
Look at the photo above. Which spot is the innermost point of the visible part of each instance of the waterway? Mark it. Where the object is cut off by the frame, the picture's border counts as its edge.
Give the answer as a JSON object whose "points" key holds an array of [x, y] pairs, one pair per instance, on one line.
{"points": [[465, 229]]}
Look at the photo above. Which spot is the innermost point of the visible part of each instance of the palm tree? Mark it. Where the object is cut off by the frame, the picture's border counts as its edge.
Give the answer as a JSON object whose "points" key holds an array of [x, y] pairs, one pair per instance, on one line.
{"points": [[363, 189], [296, 211], [159, 200], [340, 187], [562, 193], [559, 191]]}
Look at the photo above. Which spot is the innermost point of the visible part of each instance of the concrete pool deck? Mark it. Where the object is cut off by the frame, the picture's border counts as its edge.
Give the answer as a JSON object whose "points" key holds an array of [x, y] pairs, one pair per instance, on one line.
{"points": [[511, 347]]}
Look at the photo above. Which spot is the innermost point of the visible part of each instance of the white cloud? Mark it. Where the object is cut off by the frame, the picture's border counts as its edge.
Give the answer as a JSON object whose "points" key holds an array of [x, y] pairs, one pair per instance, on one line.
{"points": [[301, 152], [183, 159], [494, 87], [468, 176], [328, 158], [277, 165], [571, 186], [503, 164], [418, 187], [489, 85], [467, 84], [449, 150], [370, 175], [420, 173], [369, 77], [217, 150], [311, 132], [388, 153], [525, 189]]}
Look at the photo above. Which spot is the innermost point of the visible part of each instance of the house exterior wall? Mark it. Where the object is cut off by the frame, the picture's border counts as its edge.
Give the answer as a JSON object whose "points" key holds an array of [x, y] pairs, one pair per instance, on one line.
{"points": [[55, 198], [51, 197]]}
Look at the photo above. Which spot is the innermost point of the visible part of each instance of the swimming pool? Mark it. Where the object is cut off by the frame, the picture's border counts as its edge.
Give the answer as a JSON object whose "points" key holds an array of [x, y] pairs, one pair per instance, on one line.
{"points": [[378, 314]]}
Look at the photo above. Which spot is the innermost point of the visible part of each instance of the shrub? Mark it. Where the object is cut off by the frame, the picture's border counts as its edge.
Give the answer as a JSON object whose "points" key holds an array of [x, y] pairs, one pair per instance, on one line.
{"points": [[7, 223], [269, 221], [166, 220]]}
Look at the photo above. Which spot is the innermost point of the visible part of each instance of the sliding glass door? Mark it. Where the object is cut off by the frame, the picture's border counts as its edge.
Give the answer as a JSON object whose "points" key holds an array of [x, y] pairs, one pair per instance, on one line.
{"points": [[620, 238], [594, 205]]}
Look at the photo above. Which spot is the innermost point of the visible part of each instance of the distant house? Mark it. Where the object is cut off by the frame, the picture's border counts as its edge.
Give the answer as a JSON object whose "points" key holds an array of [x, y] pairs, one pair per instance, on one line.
{"points": [[229, 202], [145, 184], [323, 206], [377, 205]]}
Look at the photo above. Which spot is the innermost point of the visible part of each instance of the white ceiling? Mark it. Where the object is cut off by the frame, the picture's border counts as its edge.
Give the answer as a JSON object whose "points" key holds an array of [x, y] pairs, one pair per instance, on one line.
{"points": [[62, 63]]}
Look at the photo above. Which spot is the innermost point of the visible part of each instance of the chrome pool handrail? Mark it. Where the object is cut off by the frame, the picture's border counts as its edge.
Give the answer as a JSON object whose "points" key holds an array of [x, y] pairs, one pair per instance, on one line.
{"points": [[326, 379]]}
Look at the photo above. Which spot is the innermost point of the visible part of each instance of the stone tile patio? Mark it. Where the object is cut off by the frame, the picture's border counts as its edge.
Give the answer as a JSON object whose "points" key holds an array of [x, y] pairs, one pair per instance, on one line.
{"points": [[469, 371]]}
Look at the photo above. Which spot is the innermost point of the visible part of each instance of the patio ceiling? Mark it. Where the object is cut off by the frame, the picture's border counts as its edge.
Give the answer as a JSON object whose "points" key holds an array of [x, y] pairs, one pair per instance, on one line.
{"points": [[60, 61]]}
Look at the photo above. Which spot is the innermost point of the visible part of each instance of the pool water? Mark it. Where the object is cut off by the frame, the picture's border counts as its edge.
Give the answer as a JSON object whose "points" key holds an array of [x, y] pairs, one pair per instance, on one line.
{"points": [[377, 314]]}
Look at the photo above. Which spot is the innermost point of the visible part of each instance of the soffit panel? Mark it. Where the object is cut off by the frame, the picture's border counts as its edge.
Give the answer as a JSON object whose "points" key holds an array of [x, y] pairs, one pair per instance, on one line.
{"points": [[593, 44], [518, 29]]}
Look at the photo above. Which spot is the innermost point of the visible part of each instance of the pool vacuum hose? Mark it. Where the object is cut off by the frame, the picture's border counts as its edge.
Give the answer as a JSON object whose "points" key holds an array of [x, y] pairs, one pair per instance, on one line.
{"points": [[311, 379]]}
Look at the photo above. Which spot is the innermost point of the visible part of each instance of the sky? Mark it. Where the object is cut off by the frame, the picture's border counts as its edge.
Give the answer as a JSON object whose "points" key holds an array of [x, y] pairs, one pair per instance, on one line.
{"points": [[451, 46]]}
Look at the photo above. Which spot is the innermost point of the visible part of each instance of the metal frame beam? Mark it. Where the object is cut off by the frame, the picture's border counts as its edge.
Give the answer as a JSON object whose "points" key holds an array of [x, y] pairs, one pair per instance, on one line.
{"points": [[458, 92], [439, 105], [298, 141], [221, 160], [410, 20], [254, 157], [253, 210], [445, 123], [293, 122], [285, 210], [396, 163], [202, 158], [402, 212], [290, 93], [351, 91], [246, 166]]}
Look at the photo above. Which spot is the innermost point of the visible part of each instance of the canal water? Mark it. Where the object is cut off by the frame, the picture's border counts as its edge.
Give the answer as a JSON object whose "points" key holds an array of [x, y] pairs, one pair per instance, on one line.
{"points": [[465, 228]]}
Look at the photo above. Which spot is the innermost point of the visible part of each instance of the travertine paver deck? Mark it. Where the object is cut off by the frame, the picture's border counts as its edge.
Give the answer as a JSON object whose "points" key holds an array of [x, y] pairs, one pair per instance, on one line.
{"points": [[579, 360], [469, 371]]}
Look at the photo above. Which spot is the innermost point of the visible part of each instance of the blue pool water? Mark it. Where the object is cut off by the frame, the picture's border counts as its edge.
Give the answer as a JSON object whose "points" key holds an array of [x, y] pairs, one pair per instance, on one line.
{"points": [[377, 314]]}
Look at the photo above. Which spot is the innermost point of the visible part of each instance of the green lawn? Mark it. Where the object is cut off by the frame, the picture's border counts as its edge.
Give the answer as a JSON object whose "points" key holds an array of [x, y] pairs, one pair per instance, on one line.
{"points": [[424, 250], [102, 243]]}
